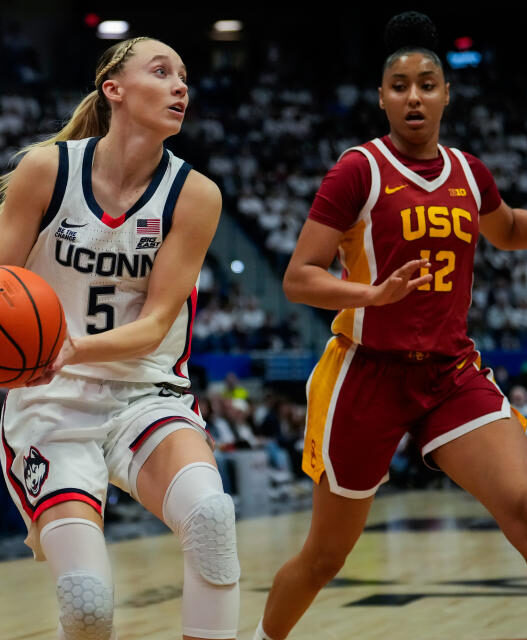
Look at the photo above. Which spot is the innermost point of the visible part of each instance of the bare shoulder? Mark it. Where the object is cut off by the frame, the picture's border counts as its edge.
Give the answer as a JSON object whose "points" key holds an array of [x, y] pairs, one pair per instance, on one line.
{"points": [[27, 198], [32, 183], [200, 193], [35, 175], [198, 206], [40, 161]]}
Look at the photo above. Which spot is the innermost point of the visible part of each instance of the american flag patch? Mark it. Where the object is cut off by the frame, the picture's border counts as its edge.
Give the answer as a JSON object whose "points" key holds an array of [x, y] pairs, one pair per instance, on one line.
{"points": [[148, 225]]}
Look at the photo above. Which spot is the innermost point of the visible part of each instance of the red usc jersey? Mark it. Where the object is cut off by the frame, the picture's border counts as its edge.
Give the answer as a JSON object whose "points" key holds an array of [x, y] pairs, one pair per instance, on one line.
{"points": [[408, 217]]}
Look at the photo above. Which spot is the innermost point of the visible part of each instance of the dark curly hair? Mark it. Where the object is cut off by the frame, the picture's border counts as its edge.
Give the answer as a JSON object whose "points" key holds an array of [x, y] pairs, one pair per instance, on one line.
{"points": [[411, 32]]}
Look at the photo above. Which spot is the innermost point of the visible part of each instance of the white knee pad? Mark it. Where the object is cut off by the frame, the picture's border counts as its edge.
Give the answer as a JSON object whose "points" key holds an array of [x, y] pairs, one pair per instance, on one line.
{"points": [[196, 508], [76, 552], [86, 606]]}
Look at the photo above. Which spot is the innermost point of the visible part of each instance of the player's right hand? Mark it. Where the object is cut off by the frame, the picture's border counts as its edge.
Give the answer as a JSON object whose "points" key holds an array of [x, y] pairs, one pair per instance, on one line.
{"points": [[400, 284], [51, 370]]}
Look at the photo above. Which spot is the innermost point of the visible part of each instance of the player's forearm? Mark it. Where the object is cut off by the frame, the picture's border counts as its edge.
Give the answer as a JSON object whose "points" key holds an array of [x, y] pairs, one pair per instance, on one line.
{"points": [[517, 236], [316, 287], [133, 340]]}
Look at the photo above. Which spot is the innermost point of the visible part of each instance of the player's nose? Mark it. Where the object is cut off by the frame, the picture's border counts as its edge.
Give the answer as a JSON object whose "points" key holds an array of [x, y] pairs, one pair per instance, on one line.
{"points": [[413, 95], [180, 87]]}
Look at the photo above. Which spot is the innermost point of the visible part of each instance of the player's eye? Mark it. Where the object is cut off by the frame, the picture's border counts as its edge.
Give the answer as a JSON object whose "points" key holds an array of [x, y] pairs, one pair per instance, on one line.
{"points": [[160, 71]]}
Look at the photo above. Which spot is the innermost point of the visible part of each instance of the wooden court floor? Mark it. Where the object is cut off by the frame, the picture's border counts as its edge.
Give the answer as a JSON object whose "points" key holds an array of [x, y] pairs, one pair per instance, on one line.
{"points": [[432, 566]]}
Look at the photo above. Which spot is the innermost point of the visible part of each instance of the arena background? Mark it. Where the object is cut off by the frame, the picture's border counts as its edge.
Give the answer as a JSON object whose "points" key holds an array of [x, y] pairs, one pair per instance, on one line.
{"points": [[272, 106]]}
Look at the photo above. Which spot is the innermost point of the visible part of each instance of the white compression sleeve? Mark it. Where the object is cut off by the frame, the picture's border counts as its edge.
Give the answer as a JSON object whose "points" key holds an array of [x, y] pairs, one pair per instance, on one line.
{"points": [[77, 556], [196, 508]]}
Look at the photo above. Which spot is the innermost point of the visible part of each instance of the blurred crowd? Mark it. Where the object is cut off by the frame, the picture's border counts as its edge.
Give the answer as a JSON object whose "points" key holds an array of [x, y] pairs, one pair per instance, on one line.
{"points": [[229, 320], [268, 138]]}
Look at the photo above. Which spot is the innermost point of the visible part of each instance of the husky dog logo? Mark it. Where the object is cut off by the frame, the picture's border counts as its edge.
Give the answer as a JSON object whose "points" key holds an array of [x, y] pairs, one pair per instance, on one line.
{"points": [[36, 469]]}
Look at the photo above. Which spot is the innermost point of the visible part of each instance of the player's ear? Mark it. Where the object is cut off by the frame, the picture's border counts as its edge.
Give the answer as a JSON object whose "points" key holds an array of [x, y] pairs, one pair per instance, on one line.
{"points": [[447, 93], [112, 90], [381, 99]]}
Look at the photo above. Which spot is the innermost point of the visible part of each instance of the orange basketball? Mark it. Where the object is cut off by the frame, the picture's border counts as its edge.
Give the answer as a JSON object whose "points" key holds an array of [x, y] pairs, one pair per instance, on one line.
{"points": [[32, 326]]}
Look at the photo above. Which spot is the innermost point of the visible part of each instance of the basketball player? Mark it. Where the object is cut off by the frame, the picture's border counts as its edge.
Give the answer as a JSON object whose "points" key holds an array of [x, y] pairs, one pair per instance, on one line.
{"points": [[402, 212], [119, 226]]}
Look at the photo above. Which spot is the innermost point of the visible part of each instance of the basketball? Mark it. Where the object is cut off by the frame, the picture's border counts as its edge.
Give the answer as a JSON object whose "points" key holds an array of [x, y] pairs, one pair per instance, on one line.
{"points": [[32, 326]]}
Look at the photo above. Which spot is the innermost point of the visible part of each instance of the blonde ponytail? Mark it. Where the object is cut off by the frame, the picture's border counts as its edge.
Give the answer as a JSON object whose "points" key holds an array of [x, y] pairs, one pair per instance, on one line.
{"points": [[92, 115], [90, 118]]}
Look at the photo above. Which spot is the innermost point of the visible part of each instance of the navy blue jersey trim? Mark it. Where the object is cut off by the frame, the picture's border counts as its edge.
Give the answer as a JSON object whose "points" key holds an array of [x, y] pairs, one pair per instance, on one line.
{"points": [[173, 195], [87, 163], [150, 190], [60, 186]]}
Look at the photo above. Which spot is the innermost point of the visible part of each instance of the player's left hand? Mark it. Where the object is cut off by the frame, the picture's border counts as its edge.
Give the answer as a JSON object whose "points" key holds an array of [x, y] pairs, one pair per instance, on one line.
{"points": [[400, 283]]}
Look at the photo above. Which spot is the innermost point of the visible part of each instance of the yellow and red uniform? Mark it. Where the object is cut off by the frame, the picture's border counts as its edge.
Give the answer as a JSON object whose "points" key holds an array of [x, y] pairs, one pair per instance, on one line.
{"points": [[407, 366]]}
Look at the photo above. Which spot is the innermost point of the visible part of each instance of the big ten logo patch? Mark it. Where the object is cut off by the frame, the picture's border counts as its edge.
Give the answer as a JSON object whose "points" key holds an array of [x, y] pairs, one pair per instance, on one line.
{"points": [[437, 222]]}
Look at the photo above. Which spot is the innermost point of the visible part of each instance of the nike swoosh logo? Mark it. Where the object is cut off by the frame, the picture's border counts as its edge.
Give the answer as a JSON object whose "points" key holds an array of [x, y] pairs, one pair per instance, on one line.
{"points": [[389, 190], [68, 225], [461, 364]]}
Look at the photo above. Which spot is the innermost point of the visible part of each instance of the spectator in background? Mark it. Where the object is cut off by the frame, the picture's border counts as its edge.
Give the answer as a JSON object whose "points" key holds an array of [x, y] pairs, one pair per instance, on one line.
{"points": [[234, 388], [223, 438], [518, 398]]}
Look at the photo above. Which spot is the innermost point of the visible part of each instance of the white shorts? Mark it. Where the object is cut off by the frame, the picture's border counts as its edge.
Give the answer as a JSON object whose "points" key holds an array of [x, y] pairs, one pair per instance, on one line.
{"points": [[68, 439]]}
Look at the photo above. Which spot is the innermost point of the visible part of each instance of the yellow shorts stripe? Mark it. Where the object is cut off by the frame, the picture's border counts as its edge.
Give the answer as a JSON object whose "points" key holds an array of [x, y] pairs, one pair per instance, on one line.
{"points": [[320, 390]]}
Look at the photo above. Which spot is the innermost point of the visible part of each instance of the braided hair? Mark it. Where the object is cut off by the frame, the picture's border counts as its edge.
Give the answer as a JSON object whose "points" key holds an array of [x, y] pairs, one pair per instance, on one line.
{"points": [[113, 59], [92, 116]]}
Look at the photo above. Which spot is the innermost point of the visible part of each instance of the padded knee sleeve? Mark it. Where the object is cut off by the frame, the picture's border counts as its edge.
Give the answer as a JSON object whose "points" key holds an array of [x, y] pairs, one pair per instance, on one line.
{"points": [[196, 508], [86, 606], [77, 556], [209, 535]]}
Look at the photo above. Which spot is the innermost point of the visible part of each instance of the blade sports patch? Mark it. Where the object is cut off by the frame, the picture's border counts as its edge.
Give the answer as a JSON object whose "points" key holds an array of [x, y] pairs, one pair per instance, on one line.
{"points": [[36, 469], [150, 226]]}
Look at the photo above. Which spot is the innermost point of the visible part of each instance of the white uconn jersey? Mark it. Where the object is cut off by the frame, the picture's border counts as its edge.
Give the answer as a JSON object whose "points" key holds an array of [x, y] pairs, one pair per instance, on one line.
{"points": [[100, 266]]}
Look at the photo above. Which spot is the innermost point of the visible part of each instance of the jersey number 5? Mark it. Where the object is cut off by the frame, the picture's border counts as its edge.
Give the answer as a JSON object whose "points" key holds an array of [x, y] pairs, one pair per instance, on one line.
{"points": [[95, 308]]}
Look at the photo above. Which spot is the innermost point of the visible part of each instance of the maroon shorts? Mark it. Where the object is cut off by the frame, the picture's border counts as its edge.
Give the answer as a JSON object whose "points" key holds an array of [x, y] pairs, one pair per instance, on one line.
{"points": [[361, 403]]}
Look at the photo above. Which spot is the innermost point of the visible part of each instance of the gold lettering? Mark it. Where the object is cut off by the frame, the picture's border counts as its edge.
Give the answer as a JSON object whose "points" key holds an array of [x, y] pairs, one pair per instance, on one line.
{"points": [[442, 227], [456, 215], [440, 274], [408, 233], [424, 271]]}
